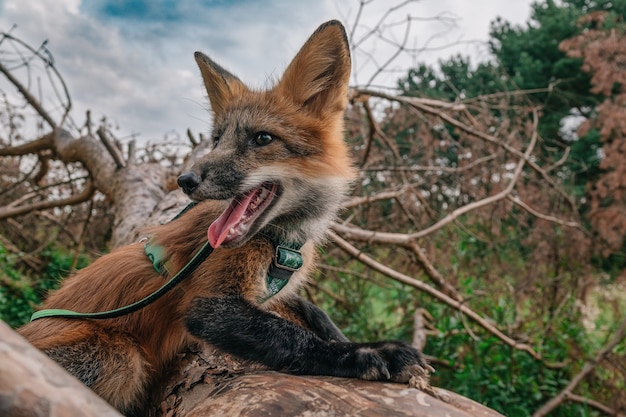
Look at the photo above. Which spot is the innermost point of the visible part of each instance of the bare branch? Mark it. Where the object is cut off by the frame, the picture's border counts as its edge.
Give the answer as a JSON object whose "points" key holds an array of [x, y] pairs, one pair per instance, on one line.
{"points": [[475, 317], [433, 274], [385, 195], [85, 195], [113, 151], [403, 239], [192, 139], [592, 403], [519, 202], [34, 103], [435, 168], [44, 142], [589, 366], [418, 104]]}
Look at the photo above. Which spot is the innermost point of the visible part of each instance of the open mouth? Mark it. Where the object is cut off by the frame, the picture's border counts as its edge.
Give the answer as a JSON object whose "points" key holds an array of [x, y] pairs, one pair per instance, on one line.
{"points": [[236, 221]]}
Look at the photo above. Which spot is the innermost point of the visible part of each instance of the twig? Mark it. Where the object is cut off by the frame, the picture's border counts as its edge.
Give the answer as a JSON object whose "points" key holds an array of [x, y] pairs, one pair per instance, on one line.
{"points": [[593, 403], [519, 202], [384, 195], [435, 168], [432, 272], [29, 97], [43, 205], [475, 317], [192, 139], [419, 105], [403, 238], [83, 234], [379, 132], [589, 366], [113, 151], [331, 294]]}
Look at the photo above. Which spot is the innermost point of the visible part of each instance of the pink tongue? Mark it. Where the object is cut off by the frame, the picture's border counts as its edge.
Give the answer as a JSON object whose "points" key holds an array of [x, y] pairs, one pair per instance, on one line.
{"points": [[219, 229]]}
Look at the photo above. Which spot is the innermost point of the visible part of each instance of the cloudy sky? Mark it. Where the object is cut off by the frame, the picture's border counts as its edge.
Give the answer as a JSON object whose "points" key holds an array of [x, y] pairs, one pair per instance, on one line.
{"points": [[133, 60]]}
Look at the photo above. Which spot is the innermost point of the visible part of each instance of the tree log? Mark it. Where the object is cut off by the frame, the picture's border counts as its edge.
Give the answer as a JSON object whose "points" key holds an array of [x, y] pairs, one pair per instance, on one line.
{"points": [[32, 385], [210, 383]]}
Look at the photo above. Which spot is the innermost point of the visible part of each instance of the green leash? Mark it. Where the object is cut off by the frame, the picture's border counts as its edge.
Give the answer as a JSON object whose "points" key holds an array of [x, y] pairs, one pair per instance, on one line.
{"points": [[287, 260], [198, 258]]}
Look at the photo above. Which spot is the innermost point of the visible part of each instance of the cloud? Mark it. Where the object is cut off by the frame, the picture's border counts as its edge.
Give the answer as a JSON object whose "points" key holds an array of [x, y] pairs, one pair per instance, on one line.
{"points": [[132, 60]]}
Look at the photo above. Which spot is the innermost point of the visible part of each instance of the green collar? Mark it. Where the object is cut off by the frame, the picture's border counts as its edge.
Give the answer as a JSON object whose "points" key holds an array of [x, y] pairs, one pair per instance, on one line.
{"points": [[287, 260]]}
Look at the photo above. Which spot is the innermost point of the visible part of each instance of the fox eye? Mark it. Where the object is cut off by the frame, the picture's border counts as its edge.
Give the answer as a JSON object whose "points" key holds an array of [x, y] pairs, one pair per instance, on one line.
{"points": [[216, 140], [263, 138]]}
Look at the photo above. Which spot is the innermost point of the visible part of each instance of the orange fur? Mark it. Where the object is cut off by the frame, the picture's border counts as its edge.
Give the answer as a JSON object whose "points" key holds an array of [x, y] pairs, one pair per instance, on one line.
{"points": [[145, 342]]}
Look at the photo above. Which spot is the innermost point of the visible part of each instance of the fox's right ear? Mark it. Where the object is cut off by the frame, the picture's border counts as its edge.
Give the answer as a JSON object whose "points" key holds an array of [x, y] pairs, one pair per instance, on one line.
{"points": [[317, 78], [220, 84]]}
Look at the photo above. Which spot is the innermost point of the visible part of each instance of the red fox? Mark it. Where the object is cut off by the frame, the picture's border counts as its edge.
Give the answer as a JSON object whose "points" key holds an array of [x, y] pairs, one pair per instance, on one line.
{"points": [[270, 187]]}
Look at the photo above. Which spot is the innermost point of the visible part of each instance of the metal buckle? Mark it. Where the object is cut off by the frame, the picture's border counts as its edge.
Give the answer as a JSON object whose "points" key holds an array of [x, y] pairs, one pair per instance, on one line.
{"points": [[290, 254]]}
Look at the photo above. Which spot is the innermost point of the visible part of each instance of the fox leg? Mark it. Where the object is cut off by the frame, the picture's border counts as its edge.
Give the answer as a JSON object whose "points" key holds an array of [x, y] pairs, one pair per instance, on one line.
{"points": [[310, 316], [109, 362], [236, 326]]}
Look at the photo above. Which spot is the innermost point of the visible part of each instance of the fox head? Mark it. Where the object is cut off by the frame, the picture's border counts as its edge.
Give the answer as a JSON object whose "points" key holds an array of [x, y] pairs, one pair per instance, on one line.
{"points": [[279, 159]]}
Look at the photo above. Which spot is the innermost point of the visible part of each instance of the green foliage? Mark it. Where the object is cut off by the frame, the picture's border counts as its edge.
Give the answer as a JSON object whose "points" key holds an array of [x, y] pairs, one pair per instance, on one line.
{"points": [[469, 360], [21, 290], [454, 78]]}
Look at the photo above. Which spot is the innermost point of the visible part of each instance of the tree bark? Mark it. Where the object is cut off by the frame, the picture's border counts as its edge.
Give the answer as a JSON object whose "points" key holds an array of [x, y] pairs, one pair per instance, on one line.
{"points": [[32, 385], [211, 383]]}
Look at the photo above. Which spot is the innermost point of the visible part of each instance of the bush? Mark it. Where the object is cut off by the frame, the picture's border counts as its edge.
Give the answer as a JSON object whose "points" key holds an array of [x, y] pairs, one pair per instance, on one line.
{"points": [[22, 288]]}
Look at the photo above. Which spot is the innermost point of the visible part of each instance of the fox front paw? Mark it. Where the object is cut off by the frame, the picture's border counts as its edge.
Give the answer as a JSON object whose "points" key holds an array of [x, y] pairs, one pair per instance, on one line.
{"points": [[390, 361]]}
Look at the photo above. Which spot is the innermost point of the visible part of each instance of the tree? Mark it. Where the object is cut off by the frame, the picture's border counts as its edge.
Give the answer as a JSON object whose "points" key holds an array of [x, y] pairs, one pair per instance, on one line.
{"points": [[602, 47]]}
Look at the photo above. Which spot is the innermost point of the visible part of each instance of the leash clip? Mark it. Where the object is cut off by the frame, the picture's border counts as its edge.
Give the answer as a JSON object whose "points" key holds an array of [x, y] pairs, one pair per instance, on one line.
{"points": [[288, 259]]}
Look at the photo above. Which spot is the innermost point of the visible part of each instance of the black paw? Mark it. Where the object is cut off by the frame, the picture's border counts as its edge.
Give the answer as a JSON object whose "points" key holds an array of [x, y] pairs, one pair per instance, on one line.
{"points": [[390, 361]]}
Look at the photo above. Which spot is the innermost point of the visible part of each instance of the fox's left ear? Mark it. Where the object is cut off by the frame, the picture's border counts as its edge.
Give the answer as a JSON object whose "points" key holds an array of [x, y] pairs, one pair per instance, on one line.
{"points": [[220, 84], [317, 78]]}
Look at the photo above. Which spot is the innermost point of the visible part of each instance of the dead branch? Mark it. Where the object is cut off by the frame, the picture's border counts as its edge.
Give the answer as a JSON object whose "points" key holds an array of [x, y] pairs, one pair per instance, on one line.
{"points": [[463, 308], [589, 366], [32, 147], [432, 272], [32, 101], [192, 139], [419, 105], [404, 238], [113, 151], [516, 200], [85, 195], [434, 168], [361, 201], [593, 403]]}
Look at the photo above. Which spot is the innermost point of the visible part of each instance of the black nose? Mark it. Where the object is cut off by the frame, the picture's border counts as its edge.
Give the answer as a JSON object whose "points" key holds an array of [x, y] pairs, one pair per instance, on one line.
{"points": [[188, 182]]}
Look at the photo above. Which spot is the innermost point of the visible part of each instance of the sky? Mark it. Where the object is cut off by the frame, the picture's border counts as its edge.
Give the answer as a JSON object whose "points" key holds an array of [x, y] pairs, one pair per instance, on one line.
{"points": [[132, 61]]}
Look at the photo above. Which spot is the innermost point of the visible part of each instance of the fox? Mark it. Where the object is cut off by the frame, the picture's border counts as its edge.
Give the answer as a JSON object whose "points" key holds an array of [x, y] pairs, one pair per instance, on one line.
{"points": [[270, 187]]}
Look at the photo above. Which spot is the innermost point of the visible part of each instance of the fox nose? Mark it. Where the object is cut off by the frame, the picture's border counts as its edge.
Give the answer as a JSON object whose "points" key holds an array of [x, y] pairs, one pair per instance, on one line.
{"points": [[188, 182]]}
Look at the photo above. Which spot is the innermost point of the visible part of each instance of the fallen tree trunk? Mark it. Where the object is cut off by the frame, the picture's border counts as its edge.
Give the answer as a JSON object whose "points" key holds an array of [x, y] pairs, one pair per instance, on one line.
{"points": [[207, 382], [32, 385], [210, 383]]}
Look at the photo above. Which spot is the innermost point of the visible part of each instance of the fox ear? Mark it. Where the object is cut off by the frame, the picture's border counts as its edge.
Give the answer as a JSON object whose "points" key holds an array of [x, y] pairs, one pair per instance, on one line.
{"points": [[220, 84], [317, 78]]}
